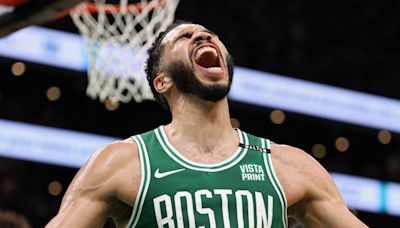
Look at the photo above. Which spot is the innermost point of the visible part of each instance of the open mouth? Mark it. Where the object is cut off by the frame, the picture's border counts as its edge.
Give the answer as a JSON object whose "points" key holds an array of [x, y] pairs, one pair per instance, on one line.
{"points": [[207, 58]]}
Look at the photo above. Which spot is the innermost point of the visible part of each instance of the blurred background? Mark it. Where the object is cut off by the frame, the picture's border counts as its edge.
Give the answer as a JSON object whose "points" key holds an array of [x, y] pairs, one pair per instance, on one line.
{"points": [[343, 51]]}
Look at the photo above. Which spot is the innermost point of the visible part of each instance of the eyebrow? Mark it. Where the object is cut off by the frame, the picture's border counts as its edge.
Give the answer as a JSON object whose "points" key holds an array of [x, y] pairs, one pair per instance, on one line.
{"points": [[184, 33]]}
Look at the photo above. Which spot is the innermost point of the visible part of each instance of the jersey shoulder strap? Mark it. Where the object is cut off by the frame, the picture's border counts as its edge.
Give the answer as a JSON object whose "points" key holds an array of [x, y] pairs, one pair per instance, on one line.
{"points": [[144, 142]]}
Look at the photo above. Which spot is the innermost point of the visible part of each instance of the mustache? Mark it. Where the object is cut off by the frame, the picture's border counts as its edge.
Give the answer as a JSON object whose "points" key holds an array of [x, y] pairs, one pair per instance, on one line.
{"points": [[186, 81]]}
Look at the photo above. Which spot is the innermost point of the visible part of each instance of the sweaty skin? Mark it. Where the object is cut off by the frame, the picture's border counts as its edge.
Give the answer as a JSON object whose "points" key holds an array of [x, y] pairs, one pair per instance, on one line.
{"points": [[106, 186]]}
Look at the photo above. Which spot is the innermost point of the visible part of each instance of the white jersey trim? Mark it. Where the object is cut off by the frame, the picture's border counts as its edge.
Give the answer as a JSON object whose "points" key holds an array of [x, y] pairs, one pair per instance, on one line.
{"points": [[272, 176], [144, 182], [179, 158]]}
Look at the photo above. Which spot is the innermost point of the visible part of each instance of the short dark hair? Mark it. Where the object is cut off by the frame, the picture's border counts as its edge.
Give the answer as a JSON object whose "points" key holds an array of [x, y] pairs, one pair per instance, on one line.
{"points": [[152, 67]]}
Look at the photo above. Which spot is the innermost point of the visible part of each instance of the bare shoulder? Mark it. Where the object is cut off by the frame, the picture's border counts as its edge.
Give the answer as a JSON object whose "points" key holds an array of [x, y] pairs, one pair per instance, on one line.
{"points": [[114, 156], [297, 160], [116, 167], [112, 172], [297, 168], [107, 180], [312, 196]]}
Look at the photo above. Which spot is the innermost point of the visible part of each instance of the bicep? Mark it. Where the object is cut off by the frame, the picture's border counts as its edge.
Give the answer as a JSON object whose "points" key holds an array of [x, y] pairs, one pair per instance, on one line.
{"points": [[90, 196], [325, 206], [321, 204]]}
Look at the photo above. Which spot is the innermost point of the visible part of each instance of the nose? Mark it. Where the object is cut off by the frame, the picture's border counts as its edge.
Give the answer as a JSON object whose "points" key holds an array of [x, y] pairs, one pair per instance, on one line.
{"points": [[202, 36]]}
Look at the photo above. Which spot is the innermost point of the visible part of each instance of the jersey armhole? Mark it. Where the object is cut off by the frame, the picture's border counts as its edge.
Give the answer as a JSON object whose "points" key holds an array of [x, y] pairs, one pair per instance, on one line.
{"points": [[266, 143], [144, 181]]}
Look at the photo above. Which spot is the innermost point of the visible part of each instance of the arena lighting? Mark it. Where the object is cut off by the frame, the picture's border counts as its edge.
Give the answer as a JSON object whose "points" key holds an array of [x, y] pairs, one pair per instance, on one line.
{"points": [[315, 99], [111, 106], [342, 144], [53, 93], [5, 9], [46, 46], [369, 194], [18, 69], [54, 188], [67, 50], [319, 150], [277, 117], [384, 137], [44, 144]]}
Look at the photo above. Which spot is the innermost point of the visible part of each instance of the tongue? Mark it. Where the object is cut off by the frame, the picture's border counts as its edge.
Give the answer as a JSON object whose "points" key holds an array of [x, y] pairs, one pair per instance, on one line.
{"points": [[208, 59]]}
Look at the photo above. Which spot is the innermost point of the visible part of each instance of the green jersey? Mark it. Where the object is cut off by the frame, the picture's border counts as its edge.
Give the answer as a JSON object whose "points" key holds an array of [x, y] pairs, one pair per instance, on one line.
{"points": [[242, 191]]}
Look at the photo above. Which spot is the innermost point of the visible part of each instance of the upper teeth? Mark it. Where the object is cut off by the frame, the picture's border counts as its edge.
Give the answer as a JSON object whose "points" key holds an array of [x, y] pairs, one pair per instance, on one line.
{"points": [[201, 50]]}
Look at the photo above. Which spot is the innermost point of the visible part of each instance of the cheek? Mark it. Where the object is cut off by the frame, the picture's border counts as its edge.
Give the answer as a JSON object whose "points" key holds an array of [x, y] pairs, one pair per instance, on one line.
{"points": [[225, 51], [179, 51], [223, 48], [176, 49]]}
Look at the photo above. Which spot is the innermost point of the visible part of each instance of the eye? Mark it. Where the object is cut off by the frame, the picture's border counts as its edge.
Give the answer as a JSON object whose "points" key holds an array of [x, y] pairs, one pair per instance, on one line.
{"points": [[186, 35]]}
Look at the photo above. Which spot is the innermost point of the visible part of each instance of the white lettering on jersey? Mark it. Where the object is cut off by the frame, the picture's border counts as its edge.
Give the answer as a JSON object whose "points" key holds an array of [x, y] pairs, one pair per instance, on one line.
{"points": [[252, 172], [250, 208], [262, 219], [202, 210], [178, 208], [225, 209], [256, 208], [157, 209]]}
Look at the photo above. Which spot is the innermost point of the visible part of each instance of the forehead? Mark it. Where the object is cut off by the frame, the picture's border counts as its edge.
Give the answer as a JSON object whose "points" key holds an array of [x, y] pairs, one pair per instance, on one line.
{"points": [[182, 29]]}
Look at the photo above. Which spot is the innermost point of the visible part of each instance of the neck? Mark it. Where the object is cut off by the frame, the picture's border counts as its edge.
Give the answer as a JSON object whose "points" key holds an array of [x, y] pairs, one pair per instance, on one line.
{"points": [[202, 124]]}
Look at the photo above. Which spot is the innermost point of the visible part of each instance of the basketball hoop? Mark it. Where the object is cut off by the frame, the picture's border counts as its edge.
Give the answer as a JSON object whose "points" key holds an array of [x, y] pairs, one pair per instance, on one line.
{"points": [[117, 38]]}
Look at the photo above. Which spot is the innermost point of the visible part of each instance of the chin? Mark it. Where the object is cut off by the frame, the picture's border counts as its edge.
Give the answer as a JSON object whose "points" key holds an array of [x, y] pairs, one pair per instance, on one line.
{"points": [[212, 79]]}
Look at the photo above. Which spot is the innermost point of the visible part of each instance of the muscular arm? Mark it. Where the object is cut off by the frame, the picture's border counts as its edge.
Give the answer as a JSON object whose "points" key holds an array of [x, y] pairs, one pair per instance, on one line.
{"points": [[99, 186], [313, 196]]}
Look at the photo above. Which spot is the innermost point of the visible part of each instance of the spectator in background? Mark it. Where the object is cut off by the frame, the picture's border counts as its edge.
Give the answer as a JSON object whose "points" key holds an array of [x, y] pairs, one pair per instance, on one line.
{"points": [[9, 219]]}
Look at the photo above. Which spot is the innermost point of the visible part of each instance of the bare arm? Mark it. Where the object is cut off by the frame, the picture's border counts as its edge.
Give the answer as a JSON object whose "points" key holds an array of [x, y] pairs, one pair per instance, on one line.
{"points": [[316, 201], [98, 187], [323, 206]]}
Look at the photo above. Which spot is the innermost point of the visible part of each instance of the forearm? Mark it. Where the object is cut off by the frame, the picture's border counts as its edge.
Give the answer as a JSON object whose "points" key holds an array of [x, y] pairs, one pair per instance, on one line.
{"points": [[80, 214], [61, 221]]}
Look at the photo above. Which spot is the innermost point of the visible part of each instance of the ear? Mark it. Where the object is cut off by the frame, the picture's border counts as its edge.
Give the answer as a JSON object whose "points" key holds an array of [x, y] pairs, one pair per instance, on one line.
{"points": [[162, 83]]}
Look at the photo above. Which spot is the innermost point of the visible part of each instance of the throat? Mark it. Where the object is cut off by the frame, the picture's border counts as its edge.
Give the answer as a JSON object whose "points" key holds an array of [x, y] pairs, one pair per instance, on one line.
{"points": [[208, 154], [203, 145]]}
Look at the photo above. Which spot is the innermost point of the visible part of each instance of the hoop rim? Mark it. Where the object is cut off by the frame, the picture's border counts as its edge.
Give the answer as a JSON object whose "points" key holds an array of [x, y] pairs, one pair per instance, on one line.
{"points": [[92, 8]]}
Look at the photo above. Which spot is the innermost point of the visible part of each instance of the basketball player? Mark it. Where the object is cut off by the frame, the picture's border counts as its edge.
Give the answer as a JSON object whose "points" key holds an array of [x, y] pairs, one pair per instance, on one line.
{"points": [[198, 171]]}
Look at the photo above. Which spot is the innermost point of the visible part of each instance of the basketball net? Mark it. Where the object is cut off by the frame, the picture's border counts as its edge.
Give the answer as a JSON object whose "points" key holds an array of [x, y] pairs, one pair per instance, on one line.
{"points": [[117, 38]]}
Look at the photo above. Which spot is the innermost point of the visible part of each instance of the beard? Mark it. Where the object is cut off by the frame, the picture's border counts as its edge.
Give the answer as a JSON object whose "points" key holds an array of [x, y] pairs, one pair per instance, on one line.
{"points": [[186, 81]]}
